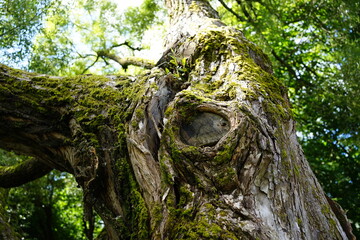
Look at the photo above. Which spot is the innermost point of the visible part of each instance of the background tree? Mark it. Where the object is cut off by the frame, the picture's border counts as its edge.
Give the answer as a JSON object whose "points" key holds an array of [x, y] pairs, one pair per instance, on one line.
{"points": [[91, 35], [274, 41], [47, 208], [19, 22]]}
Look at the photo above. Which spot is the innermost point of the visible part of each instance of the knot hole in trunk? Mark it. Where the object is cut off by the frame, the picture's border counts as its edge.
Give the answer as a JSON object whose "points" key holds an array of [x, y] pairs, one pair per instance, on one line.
{"points": [[204, 129]]}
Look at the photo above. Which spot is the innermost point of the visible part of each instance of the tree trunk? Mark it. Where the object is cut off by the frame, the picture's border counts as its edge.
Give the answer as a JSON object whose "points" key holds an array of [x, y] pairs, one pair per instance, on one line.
{"points": [[201, 147]]}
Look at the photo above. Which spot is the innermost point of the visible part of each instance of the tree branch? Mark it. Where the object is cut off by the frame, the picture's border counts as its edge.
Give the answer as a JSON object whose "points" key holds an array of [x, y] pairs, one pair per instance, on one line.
{"points": [[127, 61], [232, 11], [299, 80], [29, 170], [124, 62], [88, 67], [126, 43], [33, 116]]}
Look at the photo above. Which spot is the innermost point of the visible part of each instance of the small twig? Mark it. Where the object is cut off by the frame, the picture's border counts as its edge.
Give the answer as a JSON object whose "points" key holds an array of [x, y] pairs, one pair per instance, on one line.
{"points": [[126, 43], [232, 11], [97, 58]]}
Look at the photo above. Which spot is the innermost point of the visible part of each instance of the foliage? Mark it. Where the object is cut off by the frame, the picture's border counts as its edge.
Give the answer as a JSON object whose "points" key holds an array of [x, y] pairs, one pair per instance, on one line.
{"points": [[47, 208], [66, 37], [77, 33], [19, 22], [315, 49]]}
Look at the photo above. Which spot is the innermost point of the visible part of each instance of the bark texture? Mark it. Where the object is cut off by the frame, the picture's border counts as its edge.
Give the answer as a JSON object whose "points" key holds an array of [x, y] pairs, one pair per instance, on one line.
{"points": [[201, 147]]}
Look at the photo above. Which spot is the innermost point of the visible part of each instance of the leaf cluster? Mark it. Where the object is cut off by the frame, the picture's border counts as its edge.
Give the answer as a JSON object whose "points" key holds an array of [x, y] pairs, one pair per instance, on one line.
{"points": [[19, 22], [47, 208], [65, 38]]}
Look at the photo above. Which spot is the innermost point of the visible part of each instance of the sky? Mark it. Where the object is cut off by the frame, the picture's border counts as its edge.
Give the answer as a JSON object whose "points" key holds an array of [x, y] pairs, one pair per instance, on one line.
{"points": [[153, 36], [123, 4]]}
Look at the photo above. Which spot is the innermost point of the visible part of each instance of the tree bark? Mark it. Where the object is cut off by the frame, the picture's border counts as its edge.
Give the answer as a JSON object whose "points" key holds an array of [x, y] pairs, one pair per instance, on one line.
{"points": [[201, 147]]}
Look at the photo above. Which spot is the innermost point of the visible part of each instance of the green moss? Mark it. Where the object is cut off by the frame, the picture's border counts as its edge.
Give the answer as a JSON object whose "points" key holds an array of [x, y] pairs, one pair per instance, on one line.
{"points": [[140, 216], [91, 99], [186, 196], [299, 222], [284, 154], [157, 216], [194, 7], [212, 45], [297, 170], [224, 155], [169, 140], [283, 216], [166, 177], [333, 224], [325, 209], [136, 224], [226, 179], [202, 226]]}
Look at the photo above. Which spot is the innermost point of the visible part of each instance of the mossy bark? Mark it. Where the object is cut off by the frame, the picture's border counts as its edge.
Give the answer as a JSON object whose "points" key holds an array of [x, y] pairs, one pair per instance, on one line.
{"points": [[123, 139]]}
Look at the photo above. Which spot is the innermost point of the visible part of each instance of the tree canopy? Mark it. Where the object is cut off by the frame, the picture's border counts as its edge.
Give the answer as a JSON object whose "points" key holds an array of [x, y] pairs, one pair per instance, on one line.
{"points": [[314, 47]]}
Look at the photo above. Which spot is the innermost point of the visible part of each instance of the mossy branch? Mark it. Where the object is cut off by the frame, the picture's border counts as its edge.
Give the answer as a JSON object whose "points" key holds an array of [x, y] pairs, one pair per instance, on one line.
{"points": [[21, 173], [32, 115]]}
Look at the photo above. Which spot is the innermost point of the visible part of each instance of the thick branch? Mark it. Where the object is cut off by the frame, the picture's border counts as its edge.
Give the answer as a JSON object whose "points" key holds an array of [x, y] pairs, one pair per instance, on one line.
{"points": [[29, 170], [32, 116], [74, 124], [127, 61]]}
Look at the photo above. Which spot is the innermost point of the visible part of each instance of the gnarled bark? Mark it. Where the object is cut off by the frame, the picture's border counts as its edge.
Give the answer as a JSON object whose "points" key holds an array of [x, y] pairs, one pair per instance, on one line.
{"points": [[201, 147]]}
